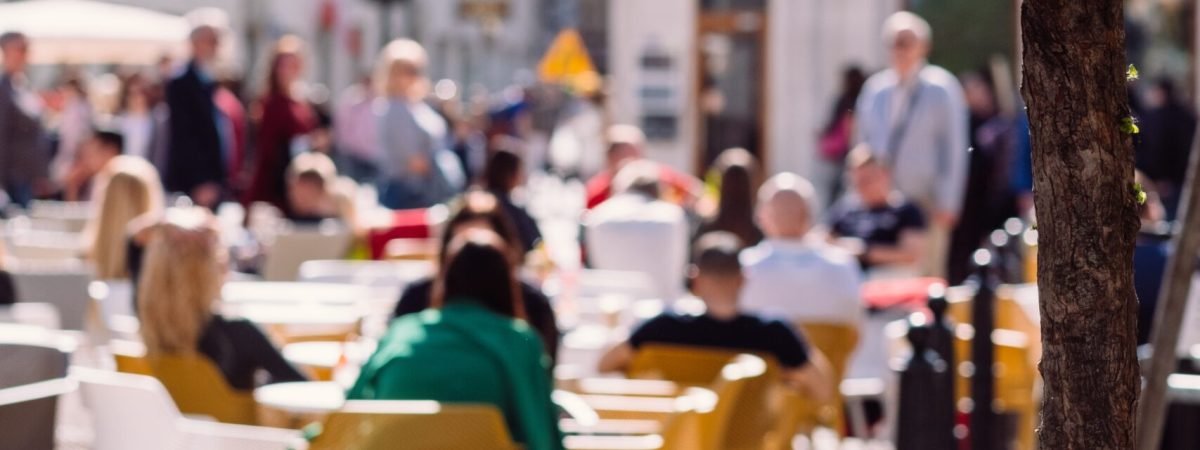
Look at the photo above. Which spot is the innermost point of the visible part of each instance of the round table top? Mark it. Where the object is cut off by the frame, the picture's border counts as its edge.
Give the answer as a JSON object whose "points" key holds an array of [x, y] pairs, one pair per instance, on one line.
{"points": [[307, 397], [326, 353]]}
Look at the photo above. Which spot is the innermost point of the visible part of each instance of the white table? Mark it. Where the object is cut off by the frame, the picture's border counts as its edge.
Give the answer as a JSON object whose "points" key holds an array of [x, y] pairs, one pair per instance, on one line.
{"points": [[308, 397]]}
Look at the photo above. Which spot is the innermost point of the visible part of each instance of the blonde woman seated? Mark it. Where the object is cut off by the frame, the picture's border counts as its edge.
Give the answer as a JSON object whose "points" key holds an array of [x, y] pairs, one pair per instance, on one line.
{"points": [[127, 187], [184, 269]]}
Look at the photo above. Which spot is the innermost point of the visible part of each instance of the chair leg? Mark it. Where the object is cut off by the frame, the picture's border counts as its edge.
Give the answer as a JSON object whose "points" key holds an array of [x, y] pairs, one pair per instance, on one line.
{"points": [[858, 418]]}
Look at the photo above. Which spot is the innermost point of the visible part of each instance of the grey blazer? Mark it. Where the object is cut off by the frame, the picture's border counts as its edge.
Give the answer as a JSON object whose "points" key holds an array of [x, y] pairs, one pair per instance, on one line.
{"points": [[24, 155]]}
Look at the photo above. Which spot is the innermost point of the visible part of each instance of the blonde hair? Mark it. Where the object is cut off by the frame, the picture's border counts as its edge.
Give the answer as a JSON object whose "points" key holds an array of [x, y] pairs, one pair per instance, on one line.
{"points": [[128, 189], [180, 282], [402, 52]]}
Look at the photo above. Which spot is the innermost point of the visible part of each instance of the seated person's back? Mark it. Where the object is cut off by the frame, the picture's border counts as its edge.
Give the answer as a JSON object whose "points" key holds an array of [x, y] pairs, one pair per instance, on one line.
{"points": [[177, 290], [483, 210], [635, 231], [470, 347], [716, 277], [793, 275]]}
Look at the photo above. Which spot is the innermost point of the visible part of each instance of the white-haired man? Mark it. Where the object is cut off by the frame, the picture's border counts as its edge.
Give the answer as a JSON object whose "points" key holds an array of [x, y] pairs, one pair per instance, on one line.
{"points": [[915, 119], [791, 274]]}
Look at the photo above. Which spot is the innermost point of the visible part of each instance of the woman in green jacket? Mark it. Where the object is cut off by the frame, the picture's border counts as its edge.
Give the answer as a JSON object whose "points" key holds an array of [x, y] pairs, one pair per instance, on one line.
{"points": [[470, 346]]}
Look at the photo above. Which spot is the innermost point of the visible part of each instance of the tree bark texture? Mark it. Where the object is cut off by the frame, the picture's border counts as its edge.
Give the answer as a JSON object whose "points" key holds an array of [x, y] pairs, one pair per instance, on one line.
{"points": [[1074, 88]]}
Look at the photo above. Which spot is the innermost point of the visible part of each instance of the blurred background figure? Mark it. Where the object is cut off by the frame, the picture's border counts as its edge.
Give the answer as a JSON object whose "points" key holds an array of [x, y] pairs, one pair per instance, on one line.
{"points": [[791, 274], [915, 120], [142, 120], [129, 188], [838, 135], [1150, 254], [198, 153], [413, 136], [285, 121], [74, 125], [315, 192], [24, 151], [8, 292], [626, 143], [877, 223], [504, 174], [989, 199], [1168, 125], [355, 137], [636, 230], [738, 179]]}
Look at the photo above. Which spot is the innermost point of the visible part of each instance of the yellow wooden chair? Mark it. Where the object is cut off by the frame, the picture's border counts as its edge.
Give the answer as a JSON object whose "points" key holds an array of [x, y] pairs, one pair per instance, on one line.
{"points": [[385, 425], [837, 342], [753, 416], [1015, 378], [195, 384]]}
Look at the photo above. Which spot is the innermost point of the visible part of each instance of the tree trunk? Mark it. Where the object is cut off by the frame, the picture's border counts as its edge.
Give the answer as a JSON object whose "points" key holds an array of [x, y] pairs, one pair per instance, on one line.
{"points": [[1074, 86]]}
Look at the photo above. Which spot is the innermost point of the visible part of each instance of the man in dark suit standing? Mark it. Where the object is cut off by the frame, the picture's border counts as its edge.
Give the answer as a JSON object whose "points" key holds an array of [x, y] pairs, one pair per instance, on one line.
{"points": [[196, 157], [24, 157]]}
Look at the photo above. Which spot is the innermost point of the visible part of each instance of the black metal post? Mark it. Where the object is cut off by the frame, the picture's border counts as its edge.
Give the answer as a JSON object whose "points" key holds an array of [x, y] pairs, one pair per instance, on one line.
{"points": [[922, 426], [983, 416], [941, 340]]}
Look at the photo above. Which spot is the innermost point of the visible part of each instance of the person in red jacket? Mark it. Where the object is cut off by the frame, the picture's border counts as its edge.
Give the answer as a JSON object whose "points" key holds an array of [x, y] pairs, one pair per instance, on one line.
{"points": [[284, 118], [627, 143]]}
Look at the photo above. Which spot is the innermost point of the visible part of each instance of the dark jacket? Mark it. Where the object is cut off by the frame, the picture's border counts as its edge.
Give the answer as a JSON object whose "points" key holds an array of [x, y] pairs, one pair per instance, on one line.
{"points": [[240, 350], [24, 150], [194, 150], [8, 291], [541, 317]]}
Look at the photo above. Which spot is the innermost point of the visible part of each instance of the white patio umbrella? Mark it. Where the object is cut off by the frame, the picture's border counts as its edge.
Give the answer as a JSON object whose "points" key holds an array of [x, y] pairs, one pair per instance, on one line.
{"points": [[91, 32]]}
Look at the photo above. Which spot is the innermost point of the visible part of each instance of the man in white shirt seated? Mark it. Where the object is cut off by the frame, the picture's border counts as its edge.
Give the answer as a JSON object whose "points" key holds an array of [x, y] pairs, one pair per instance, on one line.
{"points": [[792, 274], [637, 231]]}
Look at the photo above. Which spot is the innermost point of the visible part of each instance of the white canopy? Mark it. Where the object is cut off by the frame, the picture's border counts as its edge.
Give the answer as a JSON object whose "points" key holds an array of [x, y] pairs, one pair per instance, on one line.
{"points": [[92, 32]]}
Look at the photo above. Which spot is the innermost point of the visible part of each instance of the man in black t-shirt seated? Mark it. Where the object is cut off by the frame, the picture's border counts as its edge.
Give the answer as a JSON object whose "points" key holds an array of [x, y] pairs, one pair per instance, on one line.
{"points": [[716, 278], [876, 222]]}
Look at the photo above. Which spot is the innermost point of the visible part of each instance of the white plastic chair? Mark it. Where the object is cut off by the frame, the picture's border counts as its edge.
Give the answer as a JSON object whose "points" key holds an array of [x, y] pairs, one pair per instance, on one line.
{"points": [[135, 412], [288, 250], [65, 288], [29, 359]]}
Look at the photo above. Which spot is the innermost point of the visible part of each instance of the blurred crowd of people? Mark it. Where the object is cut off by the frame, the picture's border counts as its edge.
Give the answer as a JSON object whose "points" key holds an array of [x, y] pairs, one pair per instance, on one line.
{"points": [[932, 164]]}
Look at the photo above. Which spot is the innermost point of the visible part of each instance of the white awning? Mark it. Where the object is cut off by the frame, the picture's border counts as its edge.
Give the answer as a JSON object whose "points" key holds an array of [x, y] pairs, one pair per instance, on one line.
{"points": [[92, 32]]}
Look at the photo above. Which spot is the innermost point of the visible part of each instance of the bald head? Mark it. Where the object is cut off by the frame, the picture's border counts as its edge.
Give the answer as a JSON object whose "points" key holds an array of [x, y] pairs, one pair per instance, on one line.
{"points": [[786, 206]]}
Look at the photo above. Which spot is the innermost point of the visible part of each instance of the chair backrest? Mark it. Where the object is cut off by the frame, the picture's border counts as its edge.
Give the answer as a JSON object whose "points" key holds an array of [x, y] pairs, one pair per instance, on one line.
{"points": [[679, 363], [67, 290], [742, 386], [129, 412], [195, 384], [739, 418], [291, 249], [380, 425], [29, 424], [43, 315], [837, 342]]}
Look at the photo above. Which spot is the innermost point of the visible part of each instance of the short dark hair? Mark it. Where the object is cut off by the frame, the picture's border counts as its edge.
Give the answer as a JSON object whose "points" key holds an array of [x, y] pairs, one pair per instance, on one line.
{"points": [[502, 168], [12, 36], [716, 253], [110, 139]]}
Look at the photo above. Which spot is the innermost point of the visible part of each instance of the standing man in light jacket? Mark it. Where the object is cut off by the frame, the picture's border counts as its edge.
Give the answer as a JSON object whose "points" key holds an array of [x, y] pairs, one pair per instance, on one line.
{"points": [[24, 150], [914, 117]]}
